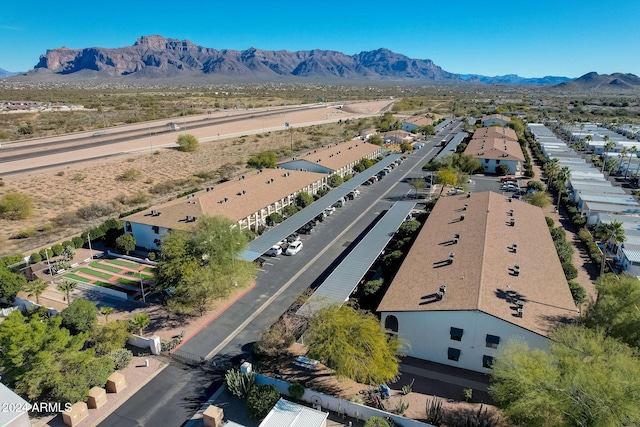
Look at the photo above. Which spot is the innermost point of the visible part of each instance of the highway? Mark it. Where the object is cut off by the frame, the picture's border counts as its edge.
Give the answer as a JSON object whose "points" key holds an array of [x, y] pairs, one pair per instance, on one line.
{"points": [[167, 398]]}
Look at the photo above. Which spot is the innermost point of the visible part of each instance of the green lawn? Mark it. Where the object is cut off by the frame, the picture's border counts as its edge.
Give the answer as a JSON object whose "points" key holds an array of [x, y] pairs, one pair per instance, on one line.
{"points": [[151, 269], [75, 277], [123, 263], [95, 273], [98, 265], [128, 282], [135, 274]]}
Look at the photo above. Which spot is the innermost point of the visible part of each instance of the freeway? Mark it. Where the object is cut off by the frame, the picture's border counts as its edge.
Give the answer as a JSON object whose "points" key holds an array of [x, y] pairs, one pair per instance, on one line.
{"points": [[279, 283]]}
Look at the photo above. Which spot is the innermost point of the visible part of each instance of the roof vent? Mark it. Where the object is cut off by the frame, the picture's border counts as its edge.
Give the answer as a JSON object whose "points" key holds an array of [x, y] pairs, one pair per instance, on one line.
{"points": [[158, 213], [510, 212], [465, 207], [520, 311], [441, 292], [451, 257], [153, 213], [462, 217], [519, 303], [514, 248], [516, 270], [455, 238]]}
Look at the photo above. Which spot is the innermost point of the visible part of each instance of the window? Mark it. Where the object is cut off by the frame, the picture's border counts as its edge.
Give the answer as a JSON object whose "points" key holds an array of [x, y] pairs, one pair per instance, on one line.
{"points": [[127, 226], [391, 323], [486, 160], [156, 229], [487, 361], [453, 354], [456, 334], [497, 162], [492, 341]]}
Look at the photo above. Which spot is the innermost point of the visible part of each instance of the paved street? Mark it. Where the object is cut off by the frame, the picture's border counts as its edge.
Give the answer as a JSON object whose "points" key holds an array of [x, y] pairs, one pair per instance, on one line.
{"points": [[278, 285]]}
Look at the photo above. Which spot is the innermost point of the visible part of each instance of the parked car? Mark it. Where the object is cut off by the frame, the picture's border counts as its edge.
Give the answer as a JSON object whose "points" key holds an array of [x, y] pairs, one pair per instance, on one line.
{"points": [[305, 229], [507, 178], [260, 261], [293, 237], [294, 248], [274, 250], [320, 217]]}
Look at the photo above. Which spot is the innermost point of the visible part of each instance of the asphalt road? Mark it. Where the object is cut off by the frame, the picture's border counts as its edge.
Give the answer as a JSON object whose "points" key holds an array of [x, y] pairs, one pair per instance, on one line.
{"points": [[278, 285]]}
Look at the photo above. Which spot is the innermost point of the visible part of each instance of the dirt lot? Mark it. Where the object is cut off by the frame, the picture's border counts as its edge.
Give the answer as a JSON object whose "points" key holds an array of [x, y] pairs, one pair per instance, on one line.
{"points": [[57, 193]]}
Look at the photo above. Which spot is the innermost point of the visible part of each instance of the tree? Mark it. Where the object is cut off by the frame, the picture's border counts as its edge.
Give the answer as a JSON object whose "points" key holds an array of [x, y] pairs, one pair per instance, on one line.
{"points": [[274, 218], [563, 175], [303, 199], [266, 159], [140, 321], [577, 292], [261, 399], [188, 143], [10, 282], [406, 147], [609, 232], [584, 379], [417, 184], [502, 170], [352, 343], [15, 206], [334, 180], [616, 309], [36, 288], [110, 337], [550, 170], [540, 199], [202, 264], [106, 311], [67, 287], [288, 211], [125, 243], [535, 186], [80, 316]]}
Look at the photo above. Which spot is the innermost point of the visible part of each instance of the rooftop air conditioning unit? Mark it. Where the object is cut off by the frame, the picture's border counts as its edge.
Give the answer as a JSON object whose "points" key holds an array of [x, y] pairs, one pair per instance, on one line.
{"points": [[520, 311], [153, 213], [443, 289], [519, 303]]}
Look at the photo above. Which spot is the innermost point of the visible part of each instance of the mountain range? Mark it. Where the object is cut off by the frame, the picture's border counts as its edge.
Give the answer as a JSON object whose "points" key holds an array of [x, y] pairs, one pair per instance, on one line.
{"points": [[158, 58]]}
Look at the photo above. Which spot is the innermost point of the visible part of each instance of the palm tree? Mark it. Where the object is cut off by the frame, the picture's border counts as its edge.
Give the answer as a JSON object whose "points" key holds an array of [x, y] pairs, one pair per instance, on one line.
{"points": [[608, 146], [140, 321], [563, 175], [632, 153], [621, 156], [67, 287], [36, 288], [551, 170], [612, 231], [106, 311]]}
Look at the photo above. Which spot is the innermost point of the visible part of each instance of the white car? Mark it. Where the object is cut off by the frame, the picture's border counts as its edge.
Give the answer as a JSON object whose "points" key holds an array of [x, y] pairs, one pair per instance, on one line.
{"points": [[274, 250], [294, 248]]}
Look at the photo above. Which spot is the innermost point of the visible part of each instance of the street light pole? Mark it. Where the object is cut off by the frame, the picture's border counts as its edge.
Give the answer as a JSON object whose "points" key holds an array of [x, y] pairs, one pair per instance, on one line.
{"points": [[144, 300], [89, 241]]}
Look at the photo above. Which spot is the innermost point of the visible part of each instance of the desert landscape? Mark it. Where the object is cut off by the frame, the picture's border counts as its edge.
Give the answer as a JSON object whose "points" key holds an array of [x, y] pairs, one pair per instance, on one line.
{"points": [[141, 177]]}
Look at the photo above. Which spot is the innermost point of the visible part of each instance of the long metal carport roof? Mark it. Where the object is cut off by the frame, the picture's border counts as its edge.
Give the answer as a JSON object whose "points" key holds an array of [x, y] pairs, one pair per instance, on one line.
{"points": [[280, 232], [452, 145], [345, 278]]}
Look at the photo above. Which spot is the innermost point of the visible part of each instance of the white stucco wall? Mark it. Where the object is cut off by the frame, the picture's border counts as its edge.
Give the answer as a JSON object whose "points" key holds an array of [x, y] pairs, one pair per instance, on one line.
{"points": [[490, 166], [145, 236], [428, 336]]}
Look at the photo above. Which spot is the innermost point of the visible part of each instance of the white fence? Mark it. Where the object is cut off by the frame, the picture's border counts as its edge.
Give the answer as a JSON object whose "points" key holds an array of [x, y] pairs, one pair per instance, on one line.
{"points": [[341, 406], [4, 312], [101, 289], [152, 343]]}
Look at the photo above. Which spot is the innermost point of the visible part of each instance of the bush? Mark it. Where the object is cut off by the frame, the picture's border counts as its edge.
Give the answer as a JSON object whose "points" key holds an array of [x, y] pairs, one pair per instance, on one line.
{"points": [[94, 211], [578, 292], [15, 206], [78, 242], [80, 316], [130, 175], [558, 233], [376, 422], [372, 286], [296, 390], [570, 271], [273, 219], [550, 222], [266, 159], [260, 400], [57, 249], [502, 170], [45, 252], [121, 358], [188, 143], [35, 257], [335, 181]]}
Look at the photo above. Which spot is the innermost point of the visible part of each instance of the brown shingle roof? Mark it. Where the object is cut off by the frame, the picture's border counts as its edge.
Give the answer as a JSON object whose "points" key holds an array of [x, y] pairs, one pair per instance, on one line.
{"points": [[335, 156], [494, 148], [259, 192], [481, 275], [419, 120], [495, 132]]}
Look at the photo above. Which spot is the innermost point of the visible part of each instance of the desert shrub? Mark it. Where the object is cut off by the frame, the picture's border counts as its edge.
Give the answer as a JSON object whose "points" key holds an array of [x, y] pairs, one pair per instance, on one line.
{"points": [[24, 234], [260, 400], [121, 358], [205, 176], [60, 173], [435, 413], [129, 175], [66, 219], [78, 177], [15, 206], [188, 143], [274, 342], [95, 211], [267, 159]]}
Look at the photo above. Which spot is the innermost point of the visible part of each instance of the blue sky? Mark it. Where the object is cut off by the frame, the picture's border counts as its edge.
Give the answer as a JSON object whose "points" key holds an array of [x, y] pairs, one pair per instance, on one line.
{"points": [[529, 38]]}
